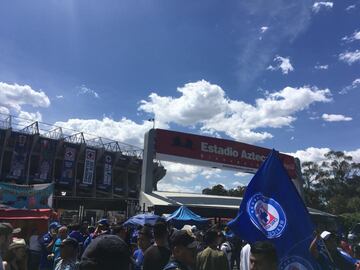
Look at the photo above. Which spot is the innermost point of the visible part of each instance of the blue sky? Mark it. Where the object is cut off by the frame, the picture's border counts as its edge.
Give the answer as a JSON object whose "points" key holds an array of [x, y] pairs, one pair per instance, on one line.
{"points": [[282, 73]]}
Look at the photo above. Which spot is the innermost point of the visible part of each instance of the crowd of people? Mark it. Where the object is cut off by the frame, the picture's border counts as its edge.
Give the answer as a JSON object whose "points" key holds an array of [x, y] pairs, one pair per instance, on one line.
{"points": [[159, 247]]}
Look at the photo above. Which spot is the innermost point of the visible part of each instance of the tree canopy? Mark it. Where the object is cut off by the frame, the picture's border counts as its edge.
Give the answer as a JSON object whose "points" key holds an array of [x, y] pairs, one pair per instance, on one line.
{"points": [[221, 191]]}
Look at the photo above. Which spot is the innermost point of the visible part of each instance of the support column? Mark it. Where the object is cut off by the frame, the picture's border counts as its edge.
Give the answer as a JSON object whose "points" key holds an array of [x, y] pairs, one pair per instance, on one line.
{"points": [[147, 173]]}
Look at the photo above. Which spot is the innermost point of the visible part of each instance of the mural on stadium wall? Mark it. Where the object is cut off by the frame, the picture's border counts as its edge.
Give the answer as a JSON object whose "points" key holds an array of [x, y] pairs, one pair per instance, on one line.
{"points": [[24, 196], [19, 157], [68, 170]]}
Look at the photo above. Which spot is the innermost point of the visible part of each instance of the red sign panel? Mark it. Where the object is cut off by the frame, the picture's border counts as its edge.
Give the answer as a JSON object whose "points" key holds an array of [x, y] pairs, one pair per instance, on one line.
{"points": [[214, 152]]}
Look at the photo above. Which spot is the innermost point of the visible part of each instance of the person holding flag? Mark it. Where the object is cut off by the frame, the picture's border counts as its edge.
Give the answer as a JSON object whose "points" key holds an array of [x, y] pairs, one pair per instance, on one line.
{"points": [[272, 210], [324, 249]]}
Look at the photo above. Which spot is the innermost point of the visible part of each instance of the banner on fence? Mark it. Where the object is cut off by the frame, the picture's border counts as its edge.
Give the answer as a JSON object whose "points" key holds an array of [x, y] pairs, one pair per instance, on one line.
{"points": [[47, 151], [89, 166], [105, 182], [68, 171], [19, 158], [24, 196]]}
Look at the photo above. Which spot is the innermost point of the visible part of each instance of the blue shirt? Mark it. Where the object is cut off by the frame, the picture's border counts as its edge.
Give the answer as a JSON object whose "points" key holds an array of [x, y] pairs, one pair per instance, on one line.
{"points": [[337, 261], [45, 240], [139, 259], [78, 236], [56, 248]]}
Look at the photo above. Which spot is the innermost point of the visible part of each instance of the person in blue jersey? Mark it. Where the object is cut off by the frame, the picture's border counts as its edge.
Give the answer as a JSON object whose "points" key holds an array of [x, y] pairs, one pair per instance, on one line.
{"points": [[144, 242], [47, 242], [102, 228], [62, 234], [328, 256], [78, 235]]}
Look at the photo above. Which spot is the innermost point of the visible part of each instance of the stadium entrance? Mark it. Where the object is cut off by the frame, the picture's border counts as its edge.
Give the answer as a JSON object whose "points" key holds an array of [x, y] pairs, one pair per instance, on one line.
{"points": [[202, 151]]}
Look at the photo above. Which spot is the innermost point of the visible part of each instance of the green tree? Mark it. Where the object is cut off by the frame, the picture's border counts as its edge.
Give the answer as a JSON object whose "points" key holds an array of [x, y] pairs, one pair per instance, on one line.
{"points": [[239, 191], [216, 190], [220, 190], [333, 185]]}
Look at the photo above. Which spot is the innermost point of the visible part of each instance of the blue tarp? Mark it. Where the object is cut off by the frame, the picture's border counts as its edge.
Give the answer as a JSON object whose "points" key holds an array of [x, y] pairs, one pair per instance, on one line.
{"points": [[142, 219], [184, 216]]}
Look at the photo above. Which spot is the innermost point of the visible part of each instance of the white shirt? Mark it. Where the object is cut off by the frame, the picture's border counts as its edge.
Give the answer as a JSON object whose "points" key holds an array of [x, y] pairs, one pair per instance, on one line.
{"points": [[245, 258], [226, 248]]}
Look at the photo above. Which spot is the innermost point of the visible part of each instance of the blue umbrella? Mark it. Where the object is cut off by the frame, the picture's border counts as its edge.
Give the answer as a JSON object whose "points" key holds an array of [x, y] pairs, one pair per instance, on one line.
{"points": [[142, 219]]}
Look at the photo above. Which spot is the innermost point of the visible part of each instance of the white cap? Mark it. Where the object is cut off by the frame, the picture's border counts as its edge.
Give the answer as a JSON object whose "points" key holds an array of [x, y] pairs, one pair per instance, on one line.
{"points": [[325, 235], [188, 228]]}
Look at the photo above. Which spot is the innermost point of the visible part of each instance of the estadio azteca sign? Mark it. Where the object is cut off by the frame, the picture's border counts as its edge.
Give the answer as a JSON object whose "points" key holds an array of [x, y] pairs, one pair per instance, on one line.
{"points": [[213, 152]]}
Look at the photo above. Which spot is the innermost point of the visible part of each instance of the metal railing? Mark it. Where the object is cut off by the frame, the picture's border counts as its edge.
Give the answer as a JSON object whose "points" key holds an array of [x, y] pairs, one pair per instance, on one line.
{"points": [[30, 126]]}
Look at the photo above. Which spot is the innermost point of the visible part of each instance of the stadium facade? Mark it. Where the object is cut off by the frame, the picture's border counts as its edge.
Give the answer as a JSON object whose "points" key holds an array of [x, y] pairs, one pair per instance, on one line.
{"points": [[88, 172]]}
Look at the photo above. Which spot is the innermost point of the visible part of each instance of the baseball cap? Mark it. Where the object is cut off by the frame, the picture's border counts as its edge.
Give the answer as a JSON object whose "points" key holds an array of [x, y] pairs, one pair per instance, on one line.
{"points": [[325, 235], [183, 238], [103, 221], [7, 228], [72, 242], [106, 252], [54, 225]]}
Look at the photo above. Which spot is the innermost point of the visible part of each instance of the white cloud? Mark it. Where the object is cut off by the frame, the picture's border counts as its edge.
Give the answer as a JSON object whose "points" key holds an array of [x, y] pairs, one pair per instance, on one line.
{"points": [[322, 5], [318, 154], [355, 84], [124, 130], [163, 186], [353, 37], [283, 63], [350, 57], [311, 154], [355, 154], [287, 20], [263, 29], [211, 173], [13, 96], [177, 172], [322, 67], [27, 118], [349, 8], [335, 117], [30, 116], [83, 90], [241, 174], [206, 105], [4, 110], [59, 96], [199, 101]]}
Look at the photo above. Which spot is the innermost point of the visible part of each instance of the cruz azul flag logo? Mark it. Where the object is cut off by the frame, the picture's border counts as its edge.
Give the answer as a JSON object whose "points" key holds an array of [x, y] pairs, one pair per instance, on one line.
{"points": [[267, 215], [272, 210], [295, 263]]}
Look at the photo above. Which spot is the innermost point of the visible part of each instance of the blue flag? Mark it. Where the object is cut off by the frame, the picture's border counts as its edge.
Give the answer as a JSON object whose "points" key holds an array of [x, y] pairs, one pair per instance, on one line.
{"points": [[272, 210]]}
